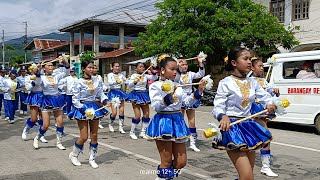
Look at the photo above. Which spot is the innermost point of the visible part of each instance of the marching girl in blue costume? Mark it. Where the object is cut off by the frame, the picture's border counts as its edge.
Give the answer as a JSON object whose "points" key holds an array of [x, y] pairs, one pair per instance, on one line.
{"points": [[10, 87], [186, 77], [70, 81], [265, 152], [86, 91], [34, 101], [139, 97], [168, 127], [94, 74], [234, 99], [52, 100], [115, 80]]}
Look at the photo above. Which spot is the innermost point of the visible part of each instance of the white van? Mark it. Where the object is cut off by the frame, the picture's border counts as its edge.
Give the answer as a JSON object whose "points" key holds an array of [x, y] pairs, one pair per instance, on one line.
{"points": [[302, 92]]}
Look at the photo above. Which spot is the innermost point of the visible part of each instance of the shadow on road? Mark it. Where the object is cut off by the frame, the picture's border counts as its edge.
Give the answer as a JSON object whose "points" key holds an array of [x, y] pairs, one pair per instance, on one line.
{"points": [[293, 127]]}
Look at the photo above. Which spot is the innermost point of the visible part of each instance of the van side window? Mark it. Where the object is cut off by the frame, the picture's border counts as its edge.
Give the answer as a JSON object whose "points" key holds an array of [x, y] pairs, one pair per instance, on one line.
{"points": [[301, 70], [291, 69]]}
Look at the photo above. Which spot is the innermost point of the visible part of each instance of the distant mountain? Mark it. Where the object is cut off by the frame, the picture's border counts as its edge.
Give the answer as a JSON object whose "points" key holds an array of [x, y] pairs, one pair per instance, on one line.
{"points": [[18, 42]]}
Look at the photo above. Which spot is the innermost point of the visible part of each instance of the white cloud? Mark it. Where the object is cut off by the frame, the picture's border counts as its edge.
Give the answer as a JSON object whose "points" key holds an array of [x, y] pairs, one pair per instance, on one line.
{"points": [[44, 16]]}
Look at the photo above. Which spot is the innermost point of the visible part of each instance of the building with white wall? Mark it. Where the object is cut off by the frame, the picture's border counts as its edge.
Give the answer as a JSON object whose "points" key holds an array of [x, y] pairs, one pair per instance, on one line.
{"points": [[304, 14]]}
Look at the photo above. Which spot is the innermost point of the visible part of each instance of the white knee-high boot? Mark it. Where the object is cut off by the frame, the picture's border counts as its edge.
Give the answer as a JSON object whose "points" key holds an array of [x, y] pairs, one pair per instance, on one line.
{"points": [[266, 164], [92, 155], [73, 156]]}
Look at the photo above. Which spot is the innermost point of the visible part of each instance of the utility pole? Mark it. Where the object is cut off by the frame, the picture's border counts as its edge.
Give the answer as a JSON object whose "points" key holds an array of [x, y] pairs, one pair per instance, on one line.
{"points": [[3, 48], [25, 41]]}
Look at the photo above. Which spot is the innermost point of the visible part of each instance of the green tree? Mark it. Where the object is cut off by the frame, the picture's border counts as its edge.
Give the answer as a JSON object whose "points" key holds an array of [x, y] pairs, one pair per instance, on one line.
{"points": [[15, 61], [87, 56], [186, 27]]}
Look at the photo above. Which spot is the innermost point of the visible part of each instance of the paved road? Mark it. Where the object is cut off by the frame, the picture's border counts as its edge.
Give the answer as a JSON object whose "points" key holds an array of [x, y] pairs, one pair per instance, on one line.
{"points": [[296, 151]]}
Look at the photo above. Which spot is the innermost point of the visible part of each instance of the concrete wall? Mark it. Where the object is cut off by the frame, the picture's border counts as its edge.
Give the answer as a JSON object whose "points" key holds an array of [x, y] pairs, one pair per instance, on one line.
{"points": [[310, 28], [309, 32]]}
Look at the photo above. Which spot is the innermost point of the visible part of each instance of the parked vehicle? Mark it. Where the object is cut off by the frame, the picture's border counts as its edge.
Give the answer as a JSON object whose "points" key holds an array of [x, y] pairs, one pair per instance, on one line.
{"points": [[298, 78]]}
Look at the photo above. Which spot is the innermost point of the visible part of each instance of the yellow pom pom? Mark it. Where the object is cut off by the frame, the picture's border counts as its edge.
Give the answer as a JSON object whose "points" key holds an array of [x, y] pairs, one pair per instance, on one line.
{"points": [[210, 132], [161, 57], [68, 56], [166, 87], [89, 113], [33, 78], [118, 82], [273, 58], [285, 103], [226, 59]]}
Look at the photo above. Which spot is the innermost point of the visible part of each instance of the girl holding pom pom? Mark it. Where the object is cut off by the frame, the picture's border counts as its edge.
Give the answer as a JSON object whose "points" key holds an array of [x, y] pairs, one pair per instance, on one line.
{"points": [[186, 77], [34, 100], [52, 101], [139, 97], [115, 80], [168, 127], [235, 96], [257, 75], [85, 92]]}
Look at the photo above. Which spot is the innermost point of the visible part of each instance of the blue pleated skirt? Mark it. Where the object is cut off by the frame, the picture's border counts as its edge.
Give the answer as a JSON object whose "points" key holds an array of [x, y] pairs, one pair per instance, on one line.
{"points": [[34, 99], [75, 113], [193, 106], [117, 93], [53, 102], [168, 127], [257, 107], [139, 97], [247, 135]]}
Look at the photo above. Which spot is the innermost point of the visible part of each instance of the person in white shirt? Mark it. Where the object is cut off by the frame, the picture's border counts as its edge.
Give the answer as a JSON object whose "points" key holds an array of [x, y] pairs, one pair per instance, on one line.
{"points": [[95, 75], [186, 77], [2, 73], [116, 80], [139, 97], [86, 92], [168, 127], [52, 100], [10, 87], [70, 80], [306, 72], [24, 92]]}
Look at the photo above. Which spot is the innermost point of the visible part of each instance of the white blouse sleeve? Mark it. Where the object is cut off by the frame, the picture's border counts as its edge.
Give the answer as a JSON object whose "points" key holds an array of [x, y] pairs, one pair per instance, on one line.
{"points": [[220, 100], [76, 95], [156, 97], [262, 95], [199, 74]]}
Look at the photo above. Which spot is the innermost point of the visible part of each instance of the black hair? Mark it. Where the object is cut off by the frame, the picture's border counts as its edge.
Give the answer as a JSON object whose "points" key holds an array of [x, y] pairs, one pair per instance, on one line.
{"points": [[255, 60], [140, 63], [233, 55], [84, 64], [165, 61], [114, 63]]}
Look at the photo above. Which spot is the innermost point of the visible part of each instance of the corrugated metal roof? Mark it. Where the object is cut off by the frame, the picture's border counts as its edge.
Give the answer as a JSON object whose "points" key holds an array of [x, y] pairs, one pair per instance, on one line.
{"points": [[115, 53], [50, 44], [46, 44]]}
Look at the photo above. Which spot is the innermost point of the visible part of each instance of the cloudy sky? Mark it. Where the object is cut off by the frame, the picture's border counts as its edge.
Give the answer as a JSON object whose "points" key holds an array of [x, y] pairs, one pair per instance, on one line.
{"points": [[45, 16]]}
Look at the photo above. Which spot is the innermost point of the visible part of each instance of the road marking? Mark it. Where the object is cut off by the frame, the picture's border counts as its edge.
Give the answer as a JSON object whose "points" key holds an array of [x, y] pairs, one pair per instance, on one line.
{"points": [[294, 146], [134, 154], [284, 144], [141, 157]]}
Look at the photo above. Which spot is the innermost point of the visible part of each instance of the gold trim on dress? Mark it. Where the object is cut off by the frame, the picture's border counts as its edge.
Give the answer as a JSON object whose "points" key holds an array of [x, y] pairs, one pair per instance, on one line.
{"points": [[51, 80], [245, 91], [261, 82], [90, 85], [185, 78]]}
